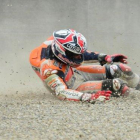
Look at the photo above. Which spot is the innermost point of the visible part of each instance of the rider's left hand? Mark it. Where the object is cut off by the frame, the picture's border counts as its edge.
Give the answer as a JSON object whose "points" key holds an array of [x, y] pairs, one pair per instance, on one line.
{"points": [[103, 58], [116, 58]]}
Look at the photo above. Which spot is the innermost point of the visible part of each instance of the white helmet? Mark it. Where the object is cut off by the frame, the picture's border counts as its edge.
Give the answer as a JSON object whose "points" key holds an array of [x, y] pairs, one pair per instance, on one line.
{"points": [[69, 46]]}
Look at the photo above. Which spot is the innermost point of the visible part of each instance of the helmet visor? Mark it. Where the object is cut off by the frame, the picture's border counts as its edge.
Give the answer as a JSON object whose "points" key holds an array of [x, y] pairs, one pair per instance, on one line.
{"points": [[68, 57], [76, 58]]}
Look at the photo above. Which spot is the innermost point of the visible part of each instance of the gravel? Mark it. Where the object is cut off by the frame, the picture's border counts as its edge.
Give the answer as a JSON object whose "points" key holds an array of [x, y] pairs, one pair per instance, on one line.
{"points": [[41, 116]]}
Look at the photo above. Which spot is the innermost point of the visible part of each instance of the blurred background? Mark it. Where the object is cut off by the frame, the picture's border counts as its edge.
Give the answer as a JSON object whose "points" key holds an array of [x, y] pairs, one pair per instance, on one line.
{"points": [[110, 26]]}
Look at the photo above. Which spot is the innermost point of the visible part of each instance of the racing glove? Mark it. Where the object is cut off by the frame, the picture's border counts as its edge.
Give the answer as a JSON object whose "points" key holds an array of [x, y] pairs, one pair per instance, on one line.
{"points": [[98, 96], [103, 58]]}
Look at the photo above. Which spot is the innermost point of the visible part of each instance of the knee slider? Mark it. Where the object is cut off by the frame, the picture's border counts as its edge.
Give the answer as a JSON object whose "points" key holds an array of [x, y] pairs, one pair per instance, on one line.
{"points": [[116, 71], [114, 85], [111, 84], [113, 71]]}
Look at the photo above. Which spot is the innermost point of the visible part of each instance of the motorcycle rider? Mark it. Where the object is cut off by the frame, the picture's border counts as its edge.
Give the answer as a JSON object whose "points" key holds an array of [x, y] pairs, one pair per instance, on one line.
{"points": [[58, 62]]}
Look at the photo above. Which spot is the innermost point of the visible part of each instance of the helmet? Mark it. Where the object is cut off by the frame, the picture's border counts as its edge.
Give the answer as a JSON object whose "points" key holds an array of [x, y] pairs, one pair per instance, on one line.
{"points": [[69, 46]]}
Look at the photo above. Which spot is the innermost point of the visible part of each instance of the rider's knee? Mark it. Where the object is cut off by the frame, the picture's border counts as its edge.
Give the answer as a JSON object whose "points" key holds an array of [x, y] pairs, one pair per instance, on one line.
{"points": [[116, 71], [117, 86]]}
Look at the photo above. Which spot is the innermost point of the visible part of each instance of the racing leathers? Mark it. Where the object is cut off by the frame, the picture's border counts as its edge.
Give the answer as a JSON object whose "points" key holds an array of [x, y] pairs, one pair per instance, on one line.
{"points": [[84, 83]]}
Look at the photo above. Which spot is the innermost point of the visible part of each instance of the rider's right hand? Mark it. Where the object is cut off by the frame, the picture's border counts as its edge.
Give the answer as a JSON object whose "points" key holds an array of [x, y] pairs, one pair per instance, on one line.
{"points": [[98, 96]]}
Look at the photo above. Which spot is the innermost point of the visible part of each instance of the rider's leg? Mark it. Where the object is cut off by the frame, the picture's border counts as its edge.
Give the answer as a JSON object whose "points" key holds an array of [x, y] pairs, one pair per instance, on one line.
{"points": [[115, 85], [92, 74]]}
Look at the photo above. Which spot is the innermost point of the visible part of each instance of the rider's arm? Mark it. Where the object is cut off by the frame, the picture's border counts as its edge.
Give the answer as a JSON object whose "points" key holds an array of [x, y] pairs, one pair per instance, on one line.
{"points": [[56, 84], [91, 56], [104, 58]]}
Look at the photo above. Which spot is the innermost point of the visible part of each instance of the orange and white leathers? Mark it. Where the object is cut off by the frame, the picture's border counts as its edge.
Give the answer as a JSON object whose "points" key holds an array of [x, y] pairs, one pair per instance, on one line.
{"points": [[67, 82], [71, 85]]}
